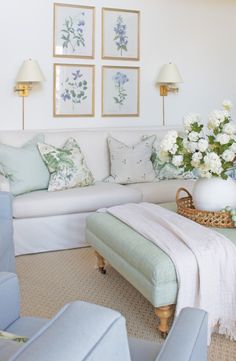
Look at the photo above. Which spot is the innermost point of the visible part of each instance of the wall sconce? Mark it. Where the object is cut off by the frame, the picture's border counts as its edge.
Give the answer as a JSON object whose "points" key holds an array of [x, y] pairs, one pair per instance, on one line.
{"points": [[28, 74], [168, 77]]}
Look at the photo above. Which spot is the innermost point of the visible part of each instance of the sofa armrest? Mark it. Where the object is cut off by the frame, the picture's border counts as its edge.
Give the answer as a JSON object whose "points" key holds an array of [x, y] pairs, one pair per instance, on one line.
{"points": [[187, 340], [4, 184], [79, 331], [9, 299]]}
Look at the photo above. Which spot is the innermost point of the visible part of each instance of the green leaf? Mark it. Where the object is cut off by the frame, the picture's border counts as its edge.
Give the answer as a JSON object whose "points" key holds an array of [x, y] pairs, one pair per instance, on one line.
{"points": [[196, 127], [73, 93], [211, 139], [227, 165], [224, 176]]}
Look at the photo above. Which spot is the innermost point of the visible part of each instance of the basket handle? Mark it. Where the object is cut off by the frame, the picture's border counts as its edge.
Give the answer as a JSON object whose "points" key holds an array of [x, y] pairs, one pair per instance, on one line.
{"points": [[182, 190]]}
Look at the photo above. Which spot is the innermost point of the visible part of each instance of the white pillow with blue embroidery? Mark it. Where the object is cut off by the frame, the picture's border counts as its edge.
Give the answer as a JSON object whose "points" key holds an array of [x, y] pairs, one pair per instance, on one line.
{"points": [[131, 164]]}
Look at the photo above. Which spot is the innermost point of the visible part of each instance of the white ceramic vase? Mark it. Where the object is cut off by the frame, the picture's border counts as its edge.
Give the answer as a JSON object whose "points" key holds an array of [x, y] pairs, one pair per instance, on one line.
{"points": [[214, 194]]}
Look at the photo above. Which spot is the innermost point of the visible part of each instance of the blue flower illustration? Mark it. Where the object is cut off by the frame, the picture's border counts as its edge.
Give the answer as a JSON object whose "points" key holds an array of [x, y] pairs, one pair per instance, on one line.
{"points": [[80, 25], [73, 32], [120, 79], [74, 88], [121, 38], [77, 75], [66, 95]]}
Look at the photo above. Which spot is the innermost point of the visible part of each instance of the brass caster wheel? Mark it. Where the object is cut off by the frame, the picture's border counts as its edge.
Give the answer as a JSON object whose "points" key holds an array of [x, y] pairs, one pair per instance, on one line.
{"points": [[164, 335], [103, 271]]}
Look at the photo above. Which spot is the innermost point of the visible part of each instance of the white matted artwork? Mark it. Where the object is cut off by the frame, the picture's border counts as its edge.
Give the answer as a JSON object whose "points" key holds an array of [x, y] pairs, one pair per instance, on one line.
{"points": [[73, 90], [73, 34], [120, 91], [120, 34]]}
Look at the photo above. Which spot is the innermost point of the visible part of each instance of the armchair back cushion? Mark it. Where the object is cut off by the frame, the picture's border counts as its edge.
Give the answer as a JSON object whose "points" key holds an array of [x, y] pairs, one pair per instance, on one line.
{"points": [[101, 335]]}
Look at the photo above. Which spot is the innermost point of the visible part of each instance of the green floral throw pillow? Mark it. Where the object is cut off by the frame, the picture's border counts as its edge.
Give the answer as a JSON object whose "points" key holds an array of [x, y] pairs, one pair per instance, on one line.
{"points": [[12, 337], [165, 170], [67, 166]]}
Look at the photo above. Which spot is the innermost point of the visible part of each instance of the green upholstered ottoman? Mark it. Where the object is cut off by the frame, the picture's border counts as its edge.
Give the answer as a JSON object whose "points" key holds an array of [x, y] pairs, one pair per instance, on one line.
{"points": [[139, 261]]}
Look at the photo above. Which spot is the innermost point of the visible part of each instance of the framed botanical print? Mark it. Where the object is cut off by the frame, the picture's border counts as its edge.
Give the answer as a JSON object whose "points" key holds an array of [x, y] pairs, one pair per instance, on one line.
{"points": [[120, 91], [73, 34], [73, 90], [120, 34]]}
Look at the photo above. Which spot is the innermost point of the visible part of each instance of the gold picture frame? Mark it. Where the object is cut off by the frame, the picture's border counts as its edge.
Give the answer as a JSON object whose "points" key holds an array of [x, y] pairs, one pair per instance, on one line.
{"points": [[119, 40], [73, 31], [120, 91], [73, 90]]}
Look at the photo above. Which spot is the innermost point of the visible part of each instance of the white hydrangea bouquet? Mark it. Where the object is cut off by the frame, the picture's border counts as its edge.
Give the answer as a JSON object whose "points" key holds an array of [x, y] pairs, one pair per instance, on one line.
{"points": [[211, 151]]}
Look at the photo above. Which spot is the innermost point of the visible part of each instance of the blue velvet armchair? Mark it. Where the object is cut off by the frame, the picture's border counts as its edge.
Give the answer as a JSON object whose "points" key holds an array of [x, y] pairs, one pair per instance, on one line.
{"points": [[84, 331]]}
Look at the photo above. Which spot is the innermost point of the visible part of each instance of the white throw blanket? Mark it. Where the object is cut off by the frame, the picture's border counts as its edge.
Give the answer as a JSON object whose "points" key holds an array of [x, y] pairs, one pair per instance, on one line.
{"points": [[205, 261]]}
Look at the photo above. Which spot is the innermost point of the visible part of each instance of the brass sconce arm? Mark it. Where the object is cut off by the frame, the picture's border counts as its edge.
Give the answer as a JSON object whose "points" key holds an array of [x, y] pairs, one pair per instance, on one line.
{"points": [[165, 89], [23, 89]]}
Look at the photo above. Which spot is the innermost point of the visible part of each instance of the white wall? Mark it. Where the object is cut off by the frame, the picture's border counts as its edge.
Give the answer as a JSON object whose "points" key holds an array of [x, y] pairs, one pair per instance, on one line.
{"points": [[197, 35]]}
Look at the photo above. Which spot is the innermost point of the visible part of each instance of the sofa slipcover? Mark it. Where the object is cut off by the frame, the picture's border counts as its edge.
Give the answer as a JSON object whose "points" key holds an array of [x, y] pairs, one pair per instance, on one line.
{"points": [[45, 221], [75, 200], [162, 191]]}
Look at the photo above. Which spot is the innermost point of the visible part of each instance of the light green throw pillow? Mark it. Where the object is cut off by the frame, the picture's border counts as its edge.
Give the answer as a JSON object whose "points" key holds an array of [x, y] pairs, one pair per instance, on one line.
{"points": [[12, 337], [24, 167], [66, 165]]}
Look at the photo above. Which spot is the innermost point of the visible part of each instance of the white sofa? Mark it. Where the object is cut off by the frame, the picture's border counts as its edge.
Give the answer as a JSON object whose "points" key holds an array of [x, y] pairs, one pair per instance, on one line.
{"points": [[46, 221]]}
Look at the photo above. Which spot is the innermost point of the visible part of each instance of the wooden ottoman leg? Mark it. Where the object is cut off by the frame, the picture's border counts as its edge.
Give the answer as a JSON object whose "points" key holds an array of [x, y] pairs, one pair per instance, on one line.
{"points": [[164, 313], [100, 263]]}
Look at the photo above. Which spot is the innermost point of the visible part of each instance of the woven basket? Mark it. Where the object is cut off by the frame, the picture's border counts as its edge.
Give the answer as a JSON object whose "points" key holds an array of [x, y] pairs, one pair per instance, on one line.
{"points": [[186, 208]]}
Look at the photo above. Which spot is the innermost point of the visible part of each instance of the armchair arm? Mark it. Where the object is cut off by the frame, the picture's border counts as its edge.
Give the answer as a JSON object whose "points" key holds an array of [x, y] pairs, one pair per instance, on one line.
{"points": [[9, 299], [4, 184], [187, 340], [7, 252], [79, 331]]}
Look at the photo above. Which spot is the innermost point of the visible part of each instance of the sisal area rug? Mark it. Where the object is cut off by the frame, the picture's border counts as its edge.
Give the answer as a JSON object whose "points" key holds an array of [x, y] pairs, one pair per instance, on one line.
{"points": [[49, 280]]}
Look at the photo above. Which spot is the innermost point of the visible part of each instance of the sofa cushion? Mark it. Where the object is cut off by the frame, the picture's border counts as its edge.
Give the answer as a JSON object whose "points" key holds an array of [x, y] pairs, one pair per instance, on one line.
{"points": [[24, 167], [66, 165], [98, 165], [162, 191], [131, 164], [75, 200]]}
